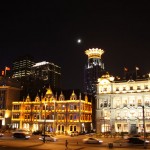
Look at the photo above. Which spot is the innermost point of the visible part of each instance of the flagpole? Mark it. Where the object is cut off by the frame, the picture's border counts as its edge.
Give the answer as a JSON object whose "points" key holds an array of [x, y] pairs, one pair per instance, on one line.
{"points": [[135, 73], [136, 68], [5, 71]]}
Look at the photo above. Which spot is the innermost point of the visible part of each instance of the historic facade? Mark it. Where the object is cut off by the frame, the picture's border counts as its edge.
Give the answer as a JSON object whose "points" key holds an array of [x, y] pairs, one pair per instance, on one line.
{"points": [[56, 114], [122, 106], [7, 95]]}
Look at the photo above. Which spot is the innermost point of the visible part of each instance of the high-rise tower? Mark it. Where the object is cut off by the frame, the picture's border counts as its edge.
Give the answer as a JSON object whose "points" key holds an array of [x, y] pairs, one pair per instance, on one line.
{"points": [[93, 69], [22, 66], [49, 73]]}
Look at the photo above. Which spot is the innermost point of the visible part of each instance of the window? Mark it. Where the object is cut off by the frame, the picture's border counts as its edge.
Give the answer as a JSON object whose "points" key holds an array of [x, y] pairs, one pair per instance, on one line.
{"points": [[124, 88], [131, 87], [147, 103], [16, 116], [71, 128], [105, 104], [146, 86], [126, 127], [138, 88], [148, 127], [75, 107], [125, 103], [71, 107], [139, 102], [58, 127], [71, 117], [105, 89], [63, 128], [117, 88], [16, 107], [75, 117]]}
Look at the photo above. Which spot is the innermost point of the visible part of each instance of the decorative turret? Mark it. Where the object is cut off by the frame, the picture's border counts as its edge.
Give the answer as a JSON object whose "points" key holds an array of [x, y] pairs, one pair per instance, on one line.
{"points": [[49, 92], [28, 99], [37, 98], [73, 96], [61, 97]]}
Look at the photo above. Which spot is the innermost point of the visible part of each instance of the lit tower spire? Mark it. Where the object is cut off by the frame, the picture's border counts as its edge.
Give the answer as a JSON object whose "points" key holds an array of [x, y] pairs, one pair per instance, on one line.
{"points": [[94, 53]]}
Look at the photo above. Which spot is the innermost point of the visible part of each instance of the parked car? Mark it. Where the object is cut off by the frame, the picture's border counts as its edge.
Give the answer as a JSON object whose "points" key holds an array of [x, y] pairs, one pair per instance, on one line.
{"points": [[20, 133], [1, 134], [137, 140], [48, 138], [91, 140]]}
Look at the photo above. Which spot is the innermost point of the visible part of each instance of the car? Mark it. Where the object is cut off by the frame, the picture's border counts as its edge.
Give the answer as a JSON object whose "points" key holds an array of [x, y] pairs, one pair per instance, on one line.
{"points": [[92, 140], [1, 134], [48, 138], [137, 140], [21, 133]]}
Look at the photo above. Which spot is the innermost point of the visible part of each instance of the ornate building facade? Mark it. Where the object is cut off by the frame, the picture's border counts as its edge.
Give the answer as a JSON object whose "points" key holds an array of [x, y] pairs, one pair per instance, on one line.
{"points": [[122, 106], [56, 114]]}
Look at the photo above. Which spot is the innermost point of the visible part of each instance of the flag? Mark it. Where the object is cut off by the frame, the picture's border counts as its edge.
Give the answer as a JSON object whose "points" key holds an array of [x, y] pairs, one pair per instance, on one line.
{"points": [[137, 68], [3, 72], [125, 69], [7, 68]]}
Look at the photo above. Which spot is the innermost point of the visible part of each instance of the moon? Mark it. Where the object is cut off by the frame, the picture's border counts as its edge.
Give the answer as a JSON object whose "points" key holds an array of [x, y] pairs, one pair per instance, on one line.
{"points": [[79, 41]]}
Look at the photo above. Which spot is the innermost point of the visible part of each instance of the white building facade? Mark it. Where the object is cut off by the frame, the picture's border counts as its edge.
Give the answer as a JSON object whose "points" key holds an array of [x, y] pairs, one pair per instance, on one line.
{"points": [[122, 106]]}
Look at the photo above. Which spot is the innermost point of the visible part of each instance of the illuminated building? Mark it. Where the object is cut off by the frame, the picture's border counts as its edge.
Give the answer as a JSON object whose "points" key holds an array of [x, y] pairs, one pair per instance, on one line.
{"points": [[57, 114], [93, 69], [48, 72], [120, 104], [22, 66], [9, 91]]}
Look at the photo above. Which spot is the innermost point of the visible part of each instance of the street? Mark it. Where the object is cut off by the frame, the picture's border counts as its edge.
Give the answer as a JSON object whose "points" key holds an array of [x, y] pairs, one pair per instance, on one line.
{"points": [[74, 143]]}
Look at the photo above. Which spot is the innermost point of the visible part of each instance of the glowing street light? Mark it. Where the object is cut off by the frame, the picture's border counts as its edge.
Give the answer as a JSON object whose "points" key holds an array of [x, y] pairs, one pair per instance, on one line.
{"points": [[144, 126], [44, 123]]}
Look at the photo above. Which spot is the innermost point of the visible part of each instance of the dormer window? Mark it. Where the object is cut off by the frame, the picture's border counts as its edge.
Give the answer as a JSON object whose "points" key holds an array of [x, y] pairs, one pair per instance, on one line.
{"points": [[131, 87]]}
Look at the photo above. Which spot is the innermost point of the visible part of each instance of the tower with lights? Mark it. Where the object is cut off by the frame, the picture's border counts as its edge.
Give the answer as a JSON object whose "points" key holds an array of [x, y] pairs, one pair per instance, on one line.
{"points": [[93, 69]]}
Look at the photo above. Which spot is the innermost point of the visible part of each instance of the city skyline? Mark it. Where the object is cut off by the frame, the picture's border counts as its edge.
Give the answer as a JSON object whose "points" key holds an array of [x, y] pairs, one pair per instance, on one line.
{"points": [[50, 32]]}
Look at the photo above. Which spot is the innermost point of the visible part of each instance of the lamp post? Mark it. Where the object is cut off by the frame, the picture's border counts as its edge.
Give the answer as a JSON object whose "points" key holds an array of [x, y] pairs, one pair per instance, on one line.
{"points": [[44, 123], [54, 116], [144, 126]]}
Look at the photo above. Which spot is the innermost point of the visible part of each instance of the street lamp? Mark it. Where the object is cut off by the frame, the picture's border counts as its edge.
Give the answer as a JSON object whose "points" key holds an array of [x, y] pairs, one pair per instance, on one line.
{"points": [[54, 116], [44, 122], [144, 126]]}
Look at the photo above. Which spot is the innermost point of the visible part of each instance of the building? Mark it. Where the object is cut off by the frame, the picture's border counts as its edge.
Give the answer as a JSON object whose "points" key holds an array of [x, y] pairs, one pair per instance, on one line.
{"points": [[122, 106], [9, 91], [22, 67], [47, 72], [93, 69], [57, 114]]}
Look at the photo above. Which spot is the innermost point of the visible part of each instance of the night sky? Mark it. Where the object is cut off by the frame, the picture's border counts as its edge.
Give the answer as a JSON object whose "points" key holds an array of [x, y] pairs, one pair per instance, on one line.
{"points": [[49, 31]]}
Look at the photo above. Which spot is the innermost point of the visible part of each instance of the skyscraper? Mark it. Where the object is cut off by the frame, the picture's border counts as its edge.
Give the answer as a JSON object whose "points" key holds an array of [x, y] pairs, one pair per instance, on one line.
{"points": [[22, 66], [93, 69], [47, 72]]}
